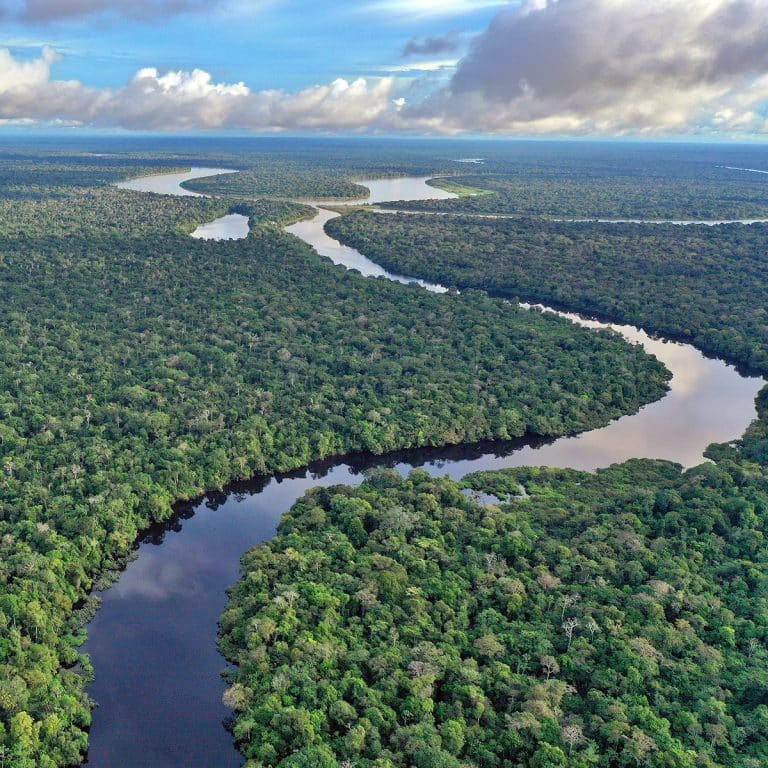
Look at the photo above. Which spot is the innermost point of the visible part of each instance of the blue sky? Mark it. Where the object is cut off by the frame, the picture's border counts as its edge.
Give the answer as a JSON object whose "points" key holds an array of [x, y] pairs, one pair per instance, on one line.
{"points": [[274, 44], [609, 68]]}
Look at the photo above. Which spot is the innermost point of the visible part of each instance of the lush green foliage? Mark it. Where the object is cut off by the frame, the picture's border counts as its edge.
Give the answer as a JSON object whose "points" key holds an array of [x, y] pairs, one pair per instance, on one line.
{"points": [[139, 366], [707, 285], [616, 619], [549, 179], [612, 181]]}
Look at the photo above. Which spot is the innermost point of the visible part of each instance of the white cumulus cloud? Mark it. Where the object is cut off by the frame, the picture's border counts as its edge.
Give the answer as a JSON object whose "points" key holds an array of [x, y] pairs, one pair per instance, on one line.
{"points": [[15, 74], [612, 66], [181, 100]]}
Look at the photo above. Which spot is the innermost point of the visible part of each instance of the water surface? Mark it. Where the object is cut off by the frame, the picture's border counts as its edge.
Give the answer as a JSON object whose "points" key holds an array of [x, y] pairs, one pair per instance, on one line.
{"points": [[169, 183], [233, 226]]}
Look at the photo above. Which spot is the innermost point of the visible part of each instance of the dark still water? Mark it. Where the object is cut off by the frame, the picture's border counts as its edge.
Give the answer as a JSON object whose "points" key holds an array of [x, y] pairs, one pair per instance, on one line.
{"points": [[153, 643]]}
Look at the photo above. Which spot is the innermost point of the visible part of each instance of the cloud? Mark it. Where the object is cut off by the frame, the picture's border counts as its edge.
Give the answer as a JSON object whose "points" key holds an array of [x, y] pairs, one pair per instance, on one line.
{"points": [[181, 100], [431, 46], [423, 66], [430, 8], [611, 66], [44, 11], [16, 74], [575, 67]]}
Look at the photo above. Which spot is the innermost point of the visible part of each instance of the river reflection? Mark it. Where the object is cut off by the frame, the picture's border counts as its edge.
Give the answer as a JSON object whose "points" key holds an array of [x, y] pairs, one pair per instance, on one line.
{"points": [[153, 643], [312, 231]]}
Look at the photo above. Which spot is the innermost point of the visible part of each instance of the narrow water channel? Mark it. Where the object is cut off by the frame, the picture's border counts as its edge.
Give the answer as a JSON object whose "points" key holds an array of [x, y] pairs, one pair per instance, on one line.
{"points": [[170, 183], [153, 643]]}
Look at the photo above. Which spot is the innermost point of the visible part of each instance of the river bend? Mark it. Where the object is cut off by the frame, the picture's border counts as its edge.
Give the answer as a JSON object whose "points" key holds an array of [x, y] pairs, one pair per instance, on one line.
{"points": [[153, 643]]}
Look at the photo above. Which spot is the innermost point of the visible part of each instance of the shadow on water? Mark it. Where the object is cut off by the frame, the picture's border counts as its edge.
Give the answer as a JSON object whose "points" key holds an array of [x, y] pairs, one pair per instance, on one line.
{"points": [[356, 464]]}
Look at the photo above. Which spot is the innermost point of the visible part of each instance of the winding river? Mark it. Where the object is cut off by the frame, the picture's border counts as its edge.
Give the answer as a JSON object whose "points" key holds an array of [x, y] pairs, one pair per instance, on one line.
{"points": [[153, 643]]}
